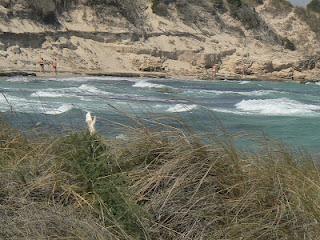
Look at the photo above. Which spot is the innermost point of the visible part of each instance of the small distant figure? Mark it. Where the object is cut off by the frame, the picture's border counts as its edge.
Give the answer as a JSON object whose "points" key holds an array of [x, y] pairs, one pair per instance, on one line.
{"points": [[214, 71], [291, 74], [55, 66], [91, 122], [41, 63]]}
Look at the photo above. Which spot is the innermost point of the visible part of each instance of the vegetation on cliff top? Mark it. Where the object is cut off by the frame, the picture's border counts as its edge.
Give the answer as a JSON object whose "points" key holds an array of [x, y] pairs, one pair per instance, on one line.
{"points": [[314, 5], [155, 185]]}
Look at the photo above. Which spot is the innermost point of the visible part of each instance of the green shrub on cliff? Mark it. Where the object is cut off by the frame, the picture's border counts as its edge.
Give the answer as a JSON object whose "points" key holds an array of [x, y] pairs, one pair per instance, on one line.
{"points": [[314, 5], [159, 7]]}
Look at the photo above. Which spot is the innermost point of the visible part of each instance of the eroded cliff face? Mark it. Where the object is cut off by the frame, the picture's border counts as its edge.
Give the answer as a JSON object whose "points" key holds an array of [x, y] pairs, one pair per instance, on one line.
{"points": [[176, 37]]}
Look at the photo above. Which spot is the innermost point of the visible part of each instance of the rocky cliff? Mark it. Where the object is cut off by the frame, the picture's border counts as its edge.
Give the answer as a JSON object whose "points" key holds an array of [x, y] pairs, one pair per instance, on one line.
{"points": [[260, 38]]}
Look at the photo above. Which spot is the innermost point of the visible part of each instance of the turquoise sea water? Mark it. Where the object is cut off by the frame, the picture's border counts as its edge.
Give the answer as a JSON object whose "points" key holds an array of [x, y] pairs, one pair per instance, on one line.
{"points": [[287, 112]]}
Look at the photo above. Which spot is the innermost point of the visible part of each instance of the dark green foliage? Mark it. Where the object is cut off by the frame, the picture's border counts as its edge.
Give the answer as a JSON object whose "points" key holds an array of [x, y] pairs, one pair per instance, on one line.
{"points": [[160, 8], [98, 173], [314, 5], [312, 18], [45, 10], [235, 3], [279, 7], [287, 44], [86, 156], [252, 21], [189, 9], [129, 9]]}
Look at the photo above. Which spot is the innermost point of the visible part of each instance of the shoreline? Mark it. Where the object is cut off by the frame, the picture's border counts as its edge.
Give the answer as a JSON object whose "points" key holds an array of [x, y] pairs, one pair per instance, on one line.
{"points": [[155, 75]]}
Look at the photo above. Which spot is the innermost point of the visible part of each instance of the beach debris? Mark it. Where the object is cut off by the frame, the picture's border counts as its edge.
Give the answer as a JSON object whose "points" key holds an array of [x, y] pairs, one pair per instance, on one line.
{"points": [[91, 122]]}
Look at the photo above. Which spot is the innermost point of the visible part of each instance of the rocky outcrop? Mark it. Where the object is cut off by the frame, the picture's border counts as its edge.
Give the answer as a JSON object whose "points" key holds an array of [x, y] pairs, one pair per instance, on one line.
{"points": [[184, 38], [309, 63], [150, 65], [63, 42], [209, 59]]}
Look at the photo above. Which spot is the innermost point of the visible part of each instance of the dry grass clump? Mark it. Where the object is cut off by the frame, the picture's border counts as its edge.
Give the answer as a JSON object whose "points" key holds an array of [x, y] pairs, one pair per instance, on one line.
{"points": [[213, 191], [72, 185], [164, 184]]}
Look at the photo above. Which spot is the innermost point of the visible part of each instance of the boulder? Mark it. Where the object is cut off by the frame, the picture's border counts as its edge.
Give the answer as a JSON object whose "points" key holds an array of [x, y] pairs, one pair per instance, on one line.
{"points": [[64, 43], [3, 54], [209, 59], [150, 65], [2, 47], [284, 74], [281, 66], [300, 77], [246, 67], [262, 67], [267, 67], [15, 49]]}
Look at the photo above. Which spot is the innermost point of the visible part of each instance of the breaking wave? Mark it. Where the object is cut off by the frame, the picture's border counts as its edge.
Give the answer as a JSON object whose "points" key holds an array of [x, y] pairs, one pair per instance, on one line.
{"points": [[62, 109], [145, 84], [19, 79], [277, 107], [182, 108], [48, 94], [250, 93]]}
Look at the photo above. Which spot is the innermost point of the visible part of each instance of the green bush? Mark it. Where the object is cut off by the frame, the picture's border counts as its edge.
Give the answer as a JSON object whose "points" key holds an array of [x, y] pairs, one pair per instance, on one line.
{"points": [[314, 5], [159, 8]]}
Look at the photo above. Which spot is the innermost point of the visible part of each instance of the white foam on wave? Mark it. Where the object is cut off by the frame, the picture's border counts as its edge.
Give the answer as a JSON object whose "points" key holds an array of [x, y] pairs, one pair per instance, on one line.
{"points": [[48, 94], [223, 110], [145, 84], [318, 83], [18, 79], [6, 99], [277, 107], [181, 108], [249, 93], [236, 81], [19, 104], [62, 109], [244, 82], [86, 88]]}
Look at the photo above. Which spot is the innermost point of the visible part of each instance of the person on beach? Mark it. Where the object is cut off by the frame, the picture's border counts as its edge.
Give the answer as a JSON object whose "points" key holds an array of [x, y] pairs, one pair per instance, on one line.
{"points": [[214, 71], [41, 63], [55, 66]]}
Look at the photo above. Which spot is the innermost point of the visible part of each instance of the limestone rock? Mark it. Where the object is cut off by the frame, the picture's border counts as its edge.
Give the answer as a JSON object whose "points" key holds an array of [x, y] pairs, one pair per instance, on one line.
{"points": [[262, 67], [3, 54], [282, 66], [2, 47], [150, 65], [15, 49], [284, 74], [64, 43], [268, 67], [209, 59]]}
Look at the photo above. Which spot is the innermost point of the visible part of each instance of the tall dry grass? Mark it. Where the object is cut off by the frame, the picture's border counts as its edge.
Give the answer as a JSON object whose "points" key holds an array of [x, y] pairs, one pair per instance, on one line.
{"points": [[165, 184]]}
